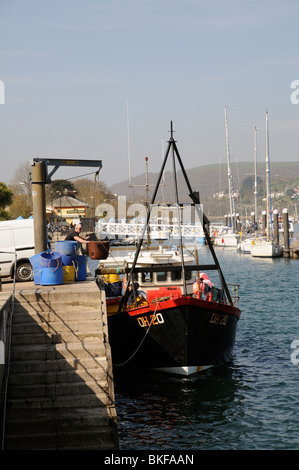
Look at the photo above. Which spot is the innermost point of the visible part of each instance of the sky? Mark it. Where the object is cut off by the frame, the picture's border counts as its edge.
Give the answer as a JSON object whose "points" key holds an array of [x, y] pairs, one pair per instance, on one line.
{"points": [[102, 80]]}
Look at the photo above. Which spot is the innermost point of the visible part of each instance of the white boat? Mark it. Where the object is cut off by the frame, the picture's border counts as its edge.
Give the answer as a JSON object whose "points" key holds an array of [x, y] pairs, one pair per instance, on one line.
{"points": [[226, 236], [265, 247], [245, 245]]}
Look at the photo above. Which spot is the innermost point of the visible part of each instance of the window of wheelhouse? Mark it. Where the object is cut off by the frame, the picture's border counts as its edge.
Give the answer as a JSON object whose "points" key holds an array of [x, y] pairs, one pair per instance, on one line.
{"points": [[146, 277], [161, 276], [177, 275]]}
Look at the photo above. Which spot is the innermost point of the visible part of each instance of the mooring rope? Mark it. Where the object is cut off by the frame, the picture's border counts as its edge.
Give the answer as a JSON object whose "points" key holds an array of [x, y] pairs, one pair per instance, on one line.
{"points": [[146, 333]]}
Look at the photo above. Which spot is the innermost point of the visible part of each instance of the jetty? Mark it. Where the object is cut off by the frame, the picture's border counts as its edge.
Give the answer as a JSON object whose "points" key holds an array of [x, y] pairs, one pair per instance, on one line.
{"points": [[56, 370], [292, 251]]}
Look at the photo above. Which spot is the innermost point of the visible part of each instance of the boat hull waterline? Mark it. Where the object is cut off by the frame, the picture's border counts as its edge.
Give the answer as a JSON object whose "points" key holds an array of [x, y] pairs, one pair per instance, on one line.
{"points": [[179, 336]]}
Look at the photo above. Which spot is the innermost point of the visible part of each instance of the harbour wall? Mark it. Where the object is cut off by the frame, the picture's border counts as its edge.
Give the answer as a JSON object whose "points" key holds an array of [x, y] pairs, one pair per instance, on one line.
{"points": [[57, 388]]}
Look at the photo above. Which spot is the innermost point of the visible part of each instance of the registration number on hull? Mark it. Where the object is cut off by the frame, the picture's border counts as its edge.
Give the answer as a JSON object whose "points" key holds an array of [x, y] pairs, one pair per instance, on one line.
{"points": [[147, 320], [219, 319]]}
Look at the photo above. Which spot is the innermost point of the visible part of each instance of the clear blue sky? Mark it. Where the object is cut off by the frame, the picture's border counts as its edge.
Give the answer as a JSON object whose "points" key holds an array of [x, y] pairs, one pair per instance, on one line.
{"points": [[71, 66]]}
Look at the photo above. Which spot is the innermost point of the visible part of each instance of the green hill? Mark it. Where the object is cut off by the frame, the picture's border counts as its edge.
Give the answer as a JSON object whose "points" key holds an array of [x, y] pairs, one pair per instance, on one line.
{"points": [[212, 179]]}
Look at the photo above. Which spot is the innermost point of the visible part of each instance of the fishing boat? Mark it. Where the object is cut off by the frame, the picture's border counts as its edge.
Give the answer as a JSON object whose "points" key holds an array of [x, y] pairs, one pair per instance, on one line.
{"points": [[164, 318], [265, 247]]}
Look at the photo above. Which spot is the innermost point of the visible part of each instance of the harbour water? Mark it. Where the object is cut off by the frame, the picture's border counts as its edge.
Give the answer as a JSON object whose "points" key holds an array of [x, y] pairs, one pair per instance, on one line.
{"points": [[249, 404]]}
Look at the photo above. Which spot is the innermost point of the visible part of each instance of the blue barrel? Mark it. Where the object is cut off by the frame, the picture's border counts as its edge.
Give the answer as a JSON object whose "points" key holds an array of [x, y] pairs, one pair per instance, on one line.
{"points": [[51, 276], [50, 259], [80, 268], [67, 247], [68, 260], [35, 263]]}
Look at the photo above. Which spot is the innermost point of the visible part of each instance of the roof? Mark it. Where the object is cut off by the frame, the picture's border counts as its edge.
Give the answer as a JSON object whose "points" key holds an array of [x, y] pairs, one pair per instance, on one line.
{"points": [[67, 201]]}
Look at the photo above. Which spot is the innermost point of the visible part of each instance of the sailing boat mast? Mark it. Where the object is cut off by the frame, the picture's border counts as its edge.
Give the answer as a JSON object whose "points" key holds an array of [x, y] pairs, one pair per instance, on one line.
{"points": [[129, 147], [268, 185], [230, 176], [255, 172]]}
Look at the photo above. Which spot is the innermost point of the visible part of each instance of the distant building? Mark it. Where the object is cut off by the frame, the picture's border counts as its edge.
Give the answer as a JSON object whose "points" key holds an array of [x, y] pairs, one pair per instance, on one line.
{"points": [[66, 210]]}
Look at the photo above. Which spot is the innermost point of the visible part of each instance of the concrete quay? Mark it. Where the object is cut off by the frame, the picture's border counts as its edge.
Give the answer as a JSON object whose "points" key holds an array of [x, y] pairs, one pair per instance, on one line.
{"points": [[60, 392]]}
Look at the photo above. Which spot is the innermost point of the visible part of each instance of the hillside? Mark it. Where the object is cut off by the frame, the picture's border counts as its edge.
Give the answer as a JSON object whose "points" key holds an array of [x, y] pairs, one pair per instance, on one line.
{"points": [[207, 179]]}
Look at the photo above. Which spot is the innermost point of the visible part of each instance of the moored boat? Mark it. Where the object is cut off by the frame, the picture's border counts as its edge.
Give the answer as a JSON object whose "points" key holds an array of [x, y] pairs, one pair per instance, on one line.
{"points": [[226, 236], [245, 245], [266, 247], [163, 318]]}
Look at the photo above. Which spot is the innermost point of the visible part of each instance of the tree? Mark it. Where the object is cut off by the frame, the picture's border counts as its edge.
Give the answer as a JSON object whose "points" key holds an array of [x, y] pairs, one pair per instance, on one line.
{"points": [[21, 182], [290, 192], [247, 188], [5, 195], [5, 200], [20, 207], [63, 187], [93, 192]]}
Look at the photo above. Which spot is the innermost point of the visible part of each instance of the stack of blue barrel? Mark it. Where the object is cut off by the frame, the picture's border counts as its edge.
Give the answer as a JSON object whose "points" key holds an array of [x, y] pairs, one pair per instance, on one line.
{"points": [[59, 267]]}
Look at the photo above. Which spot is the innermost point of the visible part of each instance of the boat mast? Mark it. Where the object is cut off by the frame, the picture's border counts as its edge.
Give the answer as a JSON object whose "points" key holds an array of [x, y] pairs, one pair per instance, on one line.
{"points": [[255, 172], [230, 176], [146, 180], [193, 195], [201, 216], [129, 147], [178, 211], [268, 185]]}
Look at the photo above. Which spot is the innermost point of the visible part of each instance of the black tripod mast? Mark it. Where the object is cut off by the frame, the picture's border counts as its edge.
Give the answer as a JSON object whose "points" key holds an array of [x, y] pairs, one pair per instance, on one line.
{"points": [[195, 198]]}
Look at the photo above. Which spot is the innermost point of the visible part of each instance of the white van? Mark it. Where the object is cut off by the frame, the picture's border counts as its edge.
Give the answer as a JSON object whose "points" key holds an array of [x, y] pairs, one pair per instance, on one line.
{"points": [[16, 247]]}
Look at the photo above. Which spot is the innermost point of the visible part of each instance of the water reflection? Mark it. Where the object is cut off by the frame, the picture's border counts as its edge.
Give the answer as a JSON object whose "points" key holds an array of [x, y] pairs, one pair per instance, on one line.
{"points": [[249, 404], [157, 411]]}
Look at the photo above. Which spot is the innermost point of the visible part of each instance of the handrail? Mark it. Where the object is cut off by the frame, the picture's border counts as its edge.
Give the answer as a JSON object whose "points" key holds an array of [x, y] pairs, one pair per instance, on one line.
{"points": [[8, 351], [135, 229], [149, 269], [235, 293]]}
